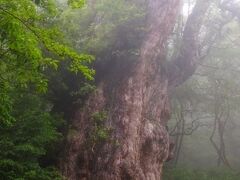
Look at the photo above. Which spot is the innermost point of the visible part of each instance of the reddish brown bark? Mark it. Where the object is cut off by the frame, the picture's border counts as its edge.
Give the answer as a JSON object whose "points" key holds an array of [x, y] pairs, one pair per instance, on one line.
{"points": [[137, 109], [137, 116]]}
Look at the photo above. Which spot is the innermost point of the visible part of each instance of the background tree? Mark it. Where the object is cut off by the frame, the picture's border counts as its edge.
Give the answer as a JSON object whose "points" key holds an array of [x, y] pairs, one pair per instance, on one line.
{"points": [[210, 101]]}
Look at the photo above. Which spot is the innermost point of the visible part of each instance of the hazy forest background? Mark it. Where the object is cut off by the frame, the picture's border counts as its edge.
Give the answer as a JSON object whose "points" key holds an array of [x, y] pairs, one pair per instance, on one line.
{"points": [[53, 54]]}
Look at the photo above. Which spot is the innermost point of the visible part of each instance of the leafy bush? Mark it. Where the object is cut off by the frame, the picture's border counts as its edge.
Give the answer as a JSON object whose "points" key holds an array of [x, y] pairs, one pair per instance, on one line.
{"points": [[28, 139]]}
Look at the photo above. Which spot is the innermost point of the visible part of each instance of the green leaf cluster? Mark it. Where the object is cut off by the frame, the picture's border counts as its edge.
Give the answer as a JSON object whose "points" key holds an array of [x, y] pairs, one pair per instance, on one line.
{"points": [[76, 3], [27, 140], [100, 132], [99, 26], [29, 45]]}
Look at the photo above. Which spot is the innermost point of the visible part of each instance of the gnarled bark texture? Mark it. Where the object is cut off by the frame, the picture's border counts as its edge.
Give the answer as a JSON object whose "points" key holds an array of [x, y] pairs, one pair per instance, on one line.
{"points": [[137, 111]]}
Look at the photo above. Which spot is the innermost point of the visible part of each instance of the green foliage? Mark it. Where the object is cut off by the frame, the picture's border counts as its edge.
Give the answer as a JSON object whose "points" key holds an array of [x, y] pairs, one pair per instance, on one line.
{"points": [[28, 46], [98, 27], [67, 91], [188, 174], [32, 49], [76, 3], [99, 117], [27, 139], [100, 132]]}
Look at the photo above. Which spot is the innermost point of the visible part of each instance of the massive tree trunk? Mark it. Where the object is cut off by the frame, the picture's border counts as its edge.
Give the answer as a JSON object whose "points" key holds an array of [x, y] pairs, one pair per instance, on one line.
{"points": [[131, 142]]}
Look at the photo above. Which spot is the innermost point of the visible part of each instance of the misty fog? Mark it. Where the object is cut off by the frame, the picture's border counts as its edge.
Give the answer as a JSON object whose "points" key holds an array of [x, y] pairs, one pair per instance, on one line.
{"points": [[120, 89]]}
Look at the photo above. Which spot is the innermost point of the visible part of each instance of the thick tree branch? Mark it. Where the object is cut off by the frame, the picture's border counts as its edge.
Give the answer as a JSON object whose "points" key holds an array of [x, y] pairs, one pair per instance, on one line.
{"points": [[185, 64]]}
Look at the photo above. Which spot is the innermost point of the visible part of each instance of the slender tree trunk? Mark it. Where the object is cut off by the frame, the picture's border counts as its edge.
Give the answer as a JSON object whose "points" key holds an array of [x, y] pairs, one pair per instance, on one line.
{"points": [[221, 114], [180, 136]]}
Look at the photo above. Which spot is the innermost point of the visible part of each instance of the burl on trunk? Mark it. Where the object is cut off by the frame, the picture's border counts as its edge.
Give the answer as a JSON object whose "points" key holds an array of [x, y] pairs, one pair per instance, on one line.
{"points": [[123, 136]]}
